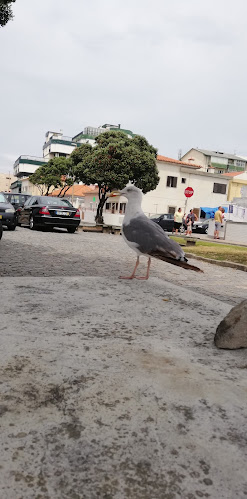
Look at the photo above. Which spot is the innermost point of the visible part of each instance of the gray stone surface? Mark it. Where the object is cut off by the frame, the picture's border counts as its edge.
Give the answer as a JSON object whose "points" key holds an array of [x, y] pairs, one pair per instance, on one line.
{"points": [[114, 389], [232, 331]]}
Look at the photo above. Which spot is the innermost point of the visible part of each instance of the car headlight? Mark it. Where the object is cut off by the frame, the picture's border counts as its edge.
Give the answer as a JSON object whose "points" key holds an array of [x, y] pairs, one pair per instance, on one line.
{"points": [[9, 210]]}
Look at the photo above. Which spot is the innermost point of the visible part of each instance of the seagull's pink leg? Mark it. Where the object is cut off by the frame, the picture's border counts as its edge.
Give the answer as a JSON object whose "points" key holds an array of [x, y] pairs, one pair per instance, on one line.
{"points": [[134, 271], [147, 274]]}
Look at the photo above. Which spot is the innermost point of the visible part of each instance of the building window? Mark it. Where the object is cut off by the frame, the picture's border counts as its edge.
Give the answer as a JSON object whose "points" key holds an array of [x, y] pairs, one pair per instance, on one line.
{"points": [[122, 208], [171, 181], [219, 188], [108, 206], [171, 209], [183, 180]]}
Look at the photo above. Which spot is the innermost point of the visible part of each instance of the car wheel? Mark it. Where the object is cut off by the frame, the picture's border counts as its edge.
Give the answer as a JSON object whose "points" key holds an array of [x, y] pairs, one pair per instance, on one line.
{"points": [[31, 223], [11, 227], [71, 230], [182, 229], [206, 230]]}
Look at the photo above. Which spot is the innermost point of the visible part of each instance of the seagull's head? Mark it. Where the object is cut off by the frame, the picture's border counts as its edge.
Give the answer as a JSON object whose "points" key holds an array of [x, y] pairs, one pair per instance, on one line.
{"points": [[131, 192]]}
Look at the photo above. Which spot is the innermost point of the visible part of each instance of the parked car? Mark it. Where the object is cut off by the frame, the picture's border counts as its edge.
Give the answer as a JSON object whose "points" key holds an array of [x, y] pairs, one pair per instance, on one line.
{"points": [[1, 227], [8, 213], [48, 211], [166, 221], [17, 200], [201, 226]]}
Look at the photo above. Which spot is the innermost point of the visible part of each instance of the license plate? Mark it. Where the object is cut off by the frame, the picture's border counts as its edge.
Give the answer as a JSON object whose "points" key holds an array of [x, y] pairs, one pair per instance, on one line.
{"points": [[64, 213]]}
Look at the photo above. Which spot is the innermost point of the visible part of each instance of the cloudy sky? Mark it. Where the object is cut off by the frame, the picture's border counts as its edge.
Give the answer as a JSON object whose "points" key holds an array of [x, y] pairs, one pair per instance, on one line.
{"points": [[173, 71]]}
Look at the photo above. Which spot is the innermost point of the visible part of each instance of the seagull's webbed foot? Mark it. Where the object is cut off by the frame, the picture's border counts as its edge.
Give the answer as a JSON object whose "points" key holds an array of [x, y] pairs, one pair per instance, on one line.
{"points": [[133, 276], [145, 278], [133, 273], [126, 277]]}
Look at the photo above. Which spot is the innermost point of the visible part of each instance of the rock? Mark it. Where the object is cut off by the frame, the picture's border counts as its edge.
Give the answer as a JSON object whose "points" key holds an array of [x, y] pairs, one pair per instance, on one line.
{"points": [[232, 331]]}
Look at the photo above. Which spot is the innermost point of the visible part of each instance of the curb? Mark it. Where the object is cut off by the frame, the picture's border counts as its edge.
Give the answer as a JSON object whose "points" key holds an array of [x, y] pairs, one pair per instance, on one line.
{"points": [[221, 263]]}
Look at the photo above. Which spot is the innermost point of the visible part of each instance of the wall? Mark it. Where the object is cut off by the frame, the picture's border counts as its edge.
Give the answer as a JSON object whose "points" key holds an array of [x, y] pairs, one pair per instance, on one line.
{"points": [[28, 188], [235, 187], [26, 168], [6, 180], [52, 148], [159, 200], [236, 232], [162, 197], [218, 160], [199, 158]]}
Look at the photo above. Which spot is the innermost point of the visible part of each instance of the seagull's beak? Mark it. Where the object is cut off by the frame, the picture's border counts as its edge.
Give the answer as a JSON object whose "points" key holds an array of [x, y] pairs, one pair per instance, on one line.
{"points": [[114, 193], [122, 192]]}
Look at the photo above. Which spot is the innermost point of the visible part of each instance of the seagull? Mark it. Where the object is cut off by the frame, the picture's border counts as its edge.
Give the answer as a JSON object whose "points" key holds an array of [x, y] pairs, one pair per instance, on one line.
{"points": [[146, 237]]}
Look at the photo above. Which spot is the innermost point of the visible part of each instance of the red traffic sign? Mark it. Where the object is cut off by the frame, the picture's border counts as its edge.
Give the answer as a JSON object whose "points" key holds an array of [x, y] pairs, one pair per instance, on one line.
{"points": [[188, 192]]}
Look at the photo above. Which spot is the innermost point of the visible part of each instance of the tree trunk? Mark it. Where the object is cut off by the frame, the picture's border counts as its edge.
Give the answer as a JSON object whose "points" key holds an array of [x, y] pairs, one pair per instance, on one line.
{"points": [[102, 199], [65, 189], [47, 190]]}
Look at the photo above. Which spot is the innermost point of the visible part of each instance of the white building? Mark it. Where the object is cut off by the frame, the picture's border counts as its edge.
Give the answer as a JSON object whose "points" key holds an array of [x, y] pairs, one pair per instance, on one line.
{"points": [[58, 145], [215, 161], [209, 190], [6, 180], [26, 165]]}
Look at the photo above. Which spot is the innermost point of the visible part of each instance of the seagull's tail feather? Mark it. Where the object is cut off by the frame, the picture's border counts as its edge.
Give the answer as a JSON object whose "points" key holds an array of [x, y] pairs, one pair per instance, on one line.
{"points": [[173, 261]]}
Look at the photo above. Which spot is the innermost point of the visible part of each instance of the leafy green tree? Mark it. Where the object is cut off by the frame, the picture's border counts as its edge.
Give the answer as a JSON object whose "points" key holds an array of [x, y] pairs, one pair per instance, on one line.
{"points": [[58, 172], [5, 11], [113, 161]]}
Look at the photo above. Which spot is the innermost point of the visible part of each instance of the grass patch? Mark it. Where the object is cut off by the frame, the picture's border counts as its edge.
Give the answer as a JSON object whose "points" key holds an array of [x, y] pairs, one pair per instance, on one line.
{"points": [[216, 251]]}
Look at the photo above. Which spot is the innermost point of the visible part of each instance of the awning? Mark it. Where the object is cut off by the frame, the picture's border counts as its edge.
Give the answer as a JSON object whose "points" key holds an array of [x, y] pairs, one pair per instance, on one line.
{"points": [[211, 211]]}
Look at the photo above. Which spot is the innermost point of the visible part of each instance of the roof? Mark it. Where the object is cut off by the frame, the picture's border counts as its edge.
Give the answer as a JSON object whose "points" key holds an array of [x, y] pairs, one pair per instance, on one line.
{"points": [[219, 154], [171, 160], [76, 190], [232, 174]]}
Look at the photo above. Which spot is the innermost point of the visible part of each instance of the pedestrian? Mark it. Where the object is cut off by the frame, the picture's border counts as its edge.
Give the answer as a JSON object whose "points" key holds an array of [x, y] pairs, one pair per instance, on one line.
{"points": [[189, 227], [178, 220], [218, 219], [191, 218]]}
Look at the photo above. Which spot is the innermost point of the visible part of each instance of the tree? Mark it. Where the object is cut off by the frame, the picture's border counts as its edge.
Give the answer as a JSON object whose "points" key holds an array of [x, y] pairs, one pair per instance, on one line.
{"points": [[5, 11], [113, 162], [58, 172]]}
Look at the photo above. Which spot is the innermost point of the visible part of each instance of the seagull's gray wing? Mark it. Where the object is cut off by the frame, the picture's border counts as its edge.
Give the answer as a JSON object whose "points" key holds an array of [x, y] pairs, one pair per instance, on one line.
{"points": [[150, 238]]}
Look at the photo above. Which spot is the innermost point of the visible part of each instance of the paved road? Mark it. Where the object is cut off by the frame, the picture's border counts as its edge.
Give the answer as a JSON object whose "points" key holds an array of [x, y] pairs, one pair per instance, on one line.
{"points": [[39, 254], [114, 389]]}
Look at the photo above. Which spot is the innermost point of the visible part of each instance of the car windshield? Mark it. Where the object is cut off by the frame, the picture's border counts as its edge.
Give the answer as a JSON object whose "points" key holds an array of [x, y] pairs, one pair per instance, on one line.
{"points": [[17, 198], [55, 201], [3, 198]]}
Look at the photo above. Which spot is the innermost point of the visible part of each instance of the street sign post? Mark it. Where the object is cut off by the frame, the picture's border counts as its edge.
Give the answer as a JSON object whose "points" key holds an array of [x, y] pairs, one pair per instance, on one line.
{"points": [[188, 192]]}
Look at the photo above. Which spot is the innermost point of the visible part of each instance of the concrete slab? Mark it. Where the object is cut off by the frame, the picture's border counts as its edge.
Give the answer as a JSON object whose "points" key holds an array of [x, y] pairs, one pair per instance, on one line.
{"points": [[114, 389]]}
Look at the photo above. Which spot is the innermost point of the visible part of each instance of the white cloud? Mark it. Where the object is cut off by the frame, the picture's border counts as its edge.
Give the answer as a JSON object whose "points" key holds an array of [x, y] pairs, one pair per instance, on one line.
{"points": [[173, 71]]}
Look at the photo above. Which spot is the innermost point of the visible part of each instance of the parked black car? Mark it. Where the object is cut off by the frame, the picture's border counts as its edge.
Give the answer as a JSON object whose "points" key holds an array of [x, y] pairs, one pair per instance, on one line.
{"points": [[166, 221], [48, 211], [8, 213], [200, 227], [17, 200]]}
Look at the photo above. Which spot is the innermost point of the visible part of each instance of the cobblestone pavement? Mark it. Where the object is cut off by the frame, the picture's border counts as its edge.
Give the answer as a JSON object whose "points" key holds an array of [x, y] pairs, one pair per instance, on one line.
{"points": [[113, 389], [57, 253]]}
